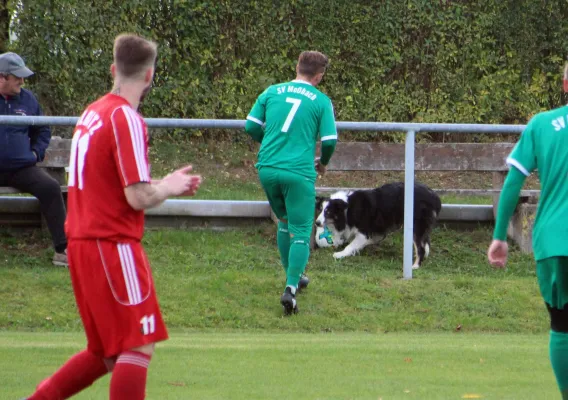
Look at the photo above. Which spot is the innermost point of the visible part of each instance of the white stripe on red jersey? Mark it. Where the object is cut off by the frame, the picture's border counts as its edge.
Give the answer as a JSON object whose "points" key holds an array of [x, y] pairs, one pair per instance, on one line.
{"points": [[137, 141]]}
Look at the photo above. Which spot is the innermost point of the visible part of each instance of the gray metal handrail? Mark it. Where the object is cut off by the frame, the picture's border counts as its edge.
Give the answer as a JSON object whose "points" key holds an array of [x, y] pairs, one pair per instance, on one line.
{"points": [[410, 128]]}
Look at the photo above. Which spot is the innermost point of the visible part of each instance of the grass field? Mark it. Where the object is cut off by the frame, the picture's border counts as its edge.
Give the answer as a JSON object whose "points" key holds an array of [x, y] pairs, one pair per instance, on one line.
{"points": [[309, 366], [459, 329], [232, 281]]}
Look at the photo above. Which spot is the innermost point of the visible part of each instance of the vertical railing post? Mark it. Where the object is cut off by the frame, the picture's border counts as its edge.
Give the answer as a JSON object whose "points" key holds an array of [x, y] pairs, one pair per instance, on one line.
{"points": [[408, 205]]}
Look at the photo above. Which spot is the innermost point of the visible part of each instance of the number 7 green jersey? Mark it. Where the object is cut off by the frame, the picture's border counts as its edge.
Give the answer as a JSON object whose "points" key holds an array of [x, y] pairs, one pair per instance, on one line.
{"points": [[294, 115]]}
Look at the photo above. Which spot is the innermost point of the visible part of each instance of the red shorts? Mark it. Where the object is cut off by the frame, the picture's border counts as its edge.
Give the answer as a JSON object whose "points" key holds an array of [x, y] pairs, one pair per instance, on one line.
{"points": [[115, 295]]}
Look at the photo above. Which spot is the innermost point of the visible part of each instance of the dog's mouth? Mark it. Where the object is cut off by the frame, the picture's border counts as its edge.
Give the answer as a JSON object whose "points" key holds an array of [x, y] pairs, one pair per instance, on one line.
{"points": [[329, 223]]}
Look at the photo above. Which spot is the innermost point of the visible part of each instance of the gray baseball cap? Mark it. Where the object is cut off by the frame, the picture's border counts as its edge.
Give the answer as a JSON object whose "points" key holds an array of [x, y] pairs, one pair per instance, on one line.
{"points": [[11, 63]]}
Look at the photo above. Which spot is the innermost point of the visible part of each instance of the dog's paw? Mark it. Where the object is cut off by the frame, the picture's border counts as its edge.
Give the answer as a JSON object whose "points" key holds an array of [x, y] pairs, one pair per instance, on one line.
{"points": [[340, 254], [415, 266]]}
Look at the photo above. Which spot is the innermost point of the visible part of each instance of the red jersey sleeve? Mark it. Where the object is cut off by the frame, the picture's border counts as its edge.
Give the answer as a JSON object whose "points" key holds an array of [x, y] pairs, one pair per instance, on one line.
{"points": [[131, 151]]}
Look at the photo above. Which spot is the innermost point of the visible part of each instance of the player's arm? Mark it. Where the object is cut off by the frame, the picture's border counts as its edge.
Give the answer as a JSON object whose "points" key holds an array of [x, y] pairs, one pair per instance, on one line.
{"points": [[255, 129], [508, 202], [254, 125], [131, 158], [144, 195], [327, 149], [328, 137], [522, 162]]}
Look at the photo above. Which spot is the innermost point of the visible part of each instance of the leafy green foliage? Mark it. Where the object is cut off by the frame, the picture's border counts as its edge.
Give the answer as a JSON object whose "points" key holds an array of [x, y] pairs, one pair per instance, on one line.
{"points": [[417, 60]]}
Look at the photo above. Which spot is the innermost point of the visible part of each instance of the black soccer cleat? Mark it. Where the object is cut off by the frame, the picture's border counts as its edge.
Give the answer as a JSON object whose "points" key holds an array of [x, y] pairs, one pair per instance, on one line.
{"points": [[288, 301], [304, 282]]}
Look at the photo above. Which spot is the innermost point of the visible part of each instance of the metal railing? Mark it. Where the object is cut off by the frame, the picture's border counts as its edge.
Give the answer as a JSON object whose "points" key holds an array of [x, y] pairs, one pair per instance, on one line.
{"points": [[411, 130]]}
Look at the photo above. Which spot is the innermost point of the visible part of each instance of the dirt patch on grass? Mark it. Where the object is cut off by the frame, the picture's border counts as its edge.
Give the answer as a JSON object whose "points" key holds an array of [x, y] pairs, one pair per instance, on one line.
{"points": [[31, 241]]}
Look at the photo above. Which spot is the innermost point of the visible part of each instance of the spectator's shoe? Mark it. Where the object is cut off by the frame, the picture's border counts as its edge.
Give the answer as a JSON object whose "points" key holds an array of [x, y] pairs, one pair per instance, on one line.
{"points": [[304, 282], [60, 259], [288, 301]]}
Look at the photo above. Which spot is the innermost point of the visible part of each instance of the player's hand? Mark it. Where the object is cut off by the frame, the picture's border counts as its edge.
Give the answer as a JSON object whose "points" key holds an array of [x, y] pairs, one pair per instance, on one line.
{"points": [[180, 182], [194, 185], [497, 253], [320, 168]]}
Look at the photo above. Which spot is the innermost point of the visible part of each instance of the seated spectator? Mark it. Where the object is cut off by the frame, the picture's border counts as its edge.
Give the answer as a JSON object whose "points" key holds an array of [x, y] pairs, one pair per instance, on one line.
{"points": [[21, 147]]}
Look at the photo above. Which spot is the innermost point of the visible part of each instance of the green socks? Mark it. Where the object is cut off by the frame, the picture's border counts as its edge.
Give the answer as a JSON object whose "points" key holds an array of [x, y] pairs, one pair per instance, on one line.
{"points": [[559, 360], [298, 259], [283, 241], [294, 254]]}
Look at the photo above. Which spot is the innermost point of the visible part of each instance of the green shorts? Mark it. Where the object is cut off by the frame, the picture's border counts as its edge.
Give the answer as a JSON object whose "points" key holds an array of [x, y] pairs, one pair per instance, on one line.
{"points": [[552, 276], [292, 197]]}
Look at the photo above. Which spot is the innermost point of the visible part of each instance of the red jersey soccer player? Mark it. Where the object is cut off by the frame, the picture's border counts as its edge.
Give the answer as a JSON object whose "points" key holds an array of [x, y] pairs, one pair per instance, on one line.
{"points": [[109, 187]]}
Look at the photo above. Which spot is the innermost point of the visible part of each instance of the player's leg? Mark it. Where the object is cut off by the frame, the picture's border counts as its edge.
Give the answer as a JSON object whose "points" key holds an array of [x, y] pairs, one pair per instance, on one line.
{"points": [[129, 320], [85, 367], [299, 195], [270, 181], [552, 276], [130, 372], [78, 373]]}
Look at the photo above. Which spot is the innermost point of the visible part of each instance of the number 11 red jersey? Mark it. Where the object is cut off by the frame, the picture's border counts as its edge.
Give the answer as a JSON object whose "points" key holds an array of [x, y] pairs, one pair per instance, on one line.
{"points": [[109, 152]]}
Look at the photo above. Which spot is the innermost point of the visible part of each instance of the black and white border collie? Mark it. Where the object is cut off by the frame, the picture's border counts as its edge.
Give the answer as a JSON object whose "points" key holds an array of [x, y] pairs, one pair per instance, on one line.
{"points": [[366, 217]]}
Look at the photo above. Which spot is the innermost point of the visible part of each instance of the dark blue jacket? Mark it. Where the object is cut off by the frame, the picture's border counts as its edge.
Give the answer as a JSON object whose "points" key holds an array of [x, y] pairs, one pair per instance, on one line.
{"points": [[18, 142]]}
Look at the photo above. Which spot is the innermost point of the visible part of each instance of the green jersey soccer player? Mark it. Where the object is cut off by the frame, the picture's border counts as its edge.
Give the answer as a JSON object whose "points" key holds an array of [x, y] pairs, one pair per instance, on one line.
{"points": [[288, 119], [543, 146]]}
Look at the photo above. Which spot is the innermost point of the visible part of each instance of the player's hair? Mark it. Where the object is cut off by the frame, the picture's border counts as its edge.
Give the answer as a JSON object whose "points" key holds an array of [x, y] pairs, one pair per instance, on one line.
{"points": [[311, 63], [133, 55]]}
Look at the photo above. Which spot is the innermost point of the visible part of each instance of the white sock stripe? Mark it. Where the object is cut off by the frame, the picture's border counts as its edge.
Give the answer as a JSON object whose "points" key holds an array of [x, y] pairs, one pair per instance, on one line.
{"points": [[134, 360], [125, 272]]}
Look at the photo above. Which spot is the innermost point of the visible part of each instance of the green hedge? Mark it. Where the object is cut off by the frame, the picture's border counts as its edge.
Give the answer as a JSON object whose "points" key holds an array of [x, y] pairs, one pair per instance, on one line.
{"points": [[391, 60]]}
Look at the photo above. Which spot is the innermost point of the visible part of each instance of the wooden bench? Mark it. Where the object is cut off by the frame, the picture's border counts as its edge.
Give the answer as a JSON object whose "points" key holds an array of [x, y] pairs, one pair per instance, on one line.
{"points": [[55, 161], [456, 157]]}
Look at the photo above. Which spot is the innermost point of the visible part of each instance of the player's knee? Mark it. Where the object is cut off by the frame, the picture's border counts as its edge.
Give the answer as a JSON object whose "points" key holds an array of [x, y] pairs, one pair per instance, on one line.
{"points": [[300, 231], [147, 349], [558, 319], [300, 240]]}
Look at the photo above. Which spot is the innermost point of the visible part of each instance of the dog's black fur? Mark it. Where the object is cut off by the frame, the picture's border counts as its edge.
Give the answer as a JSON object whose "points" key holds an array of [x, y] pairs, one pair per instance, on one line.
{"points": [[367, 216]]}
